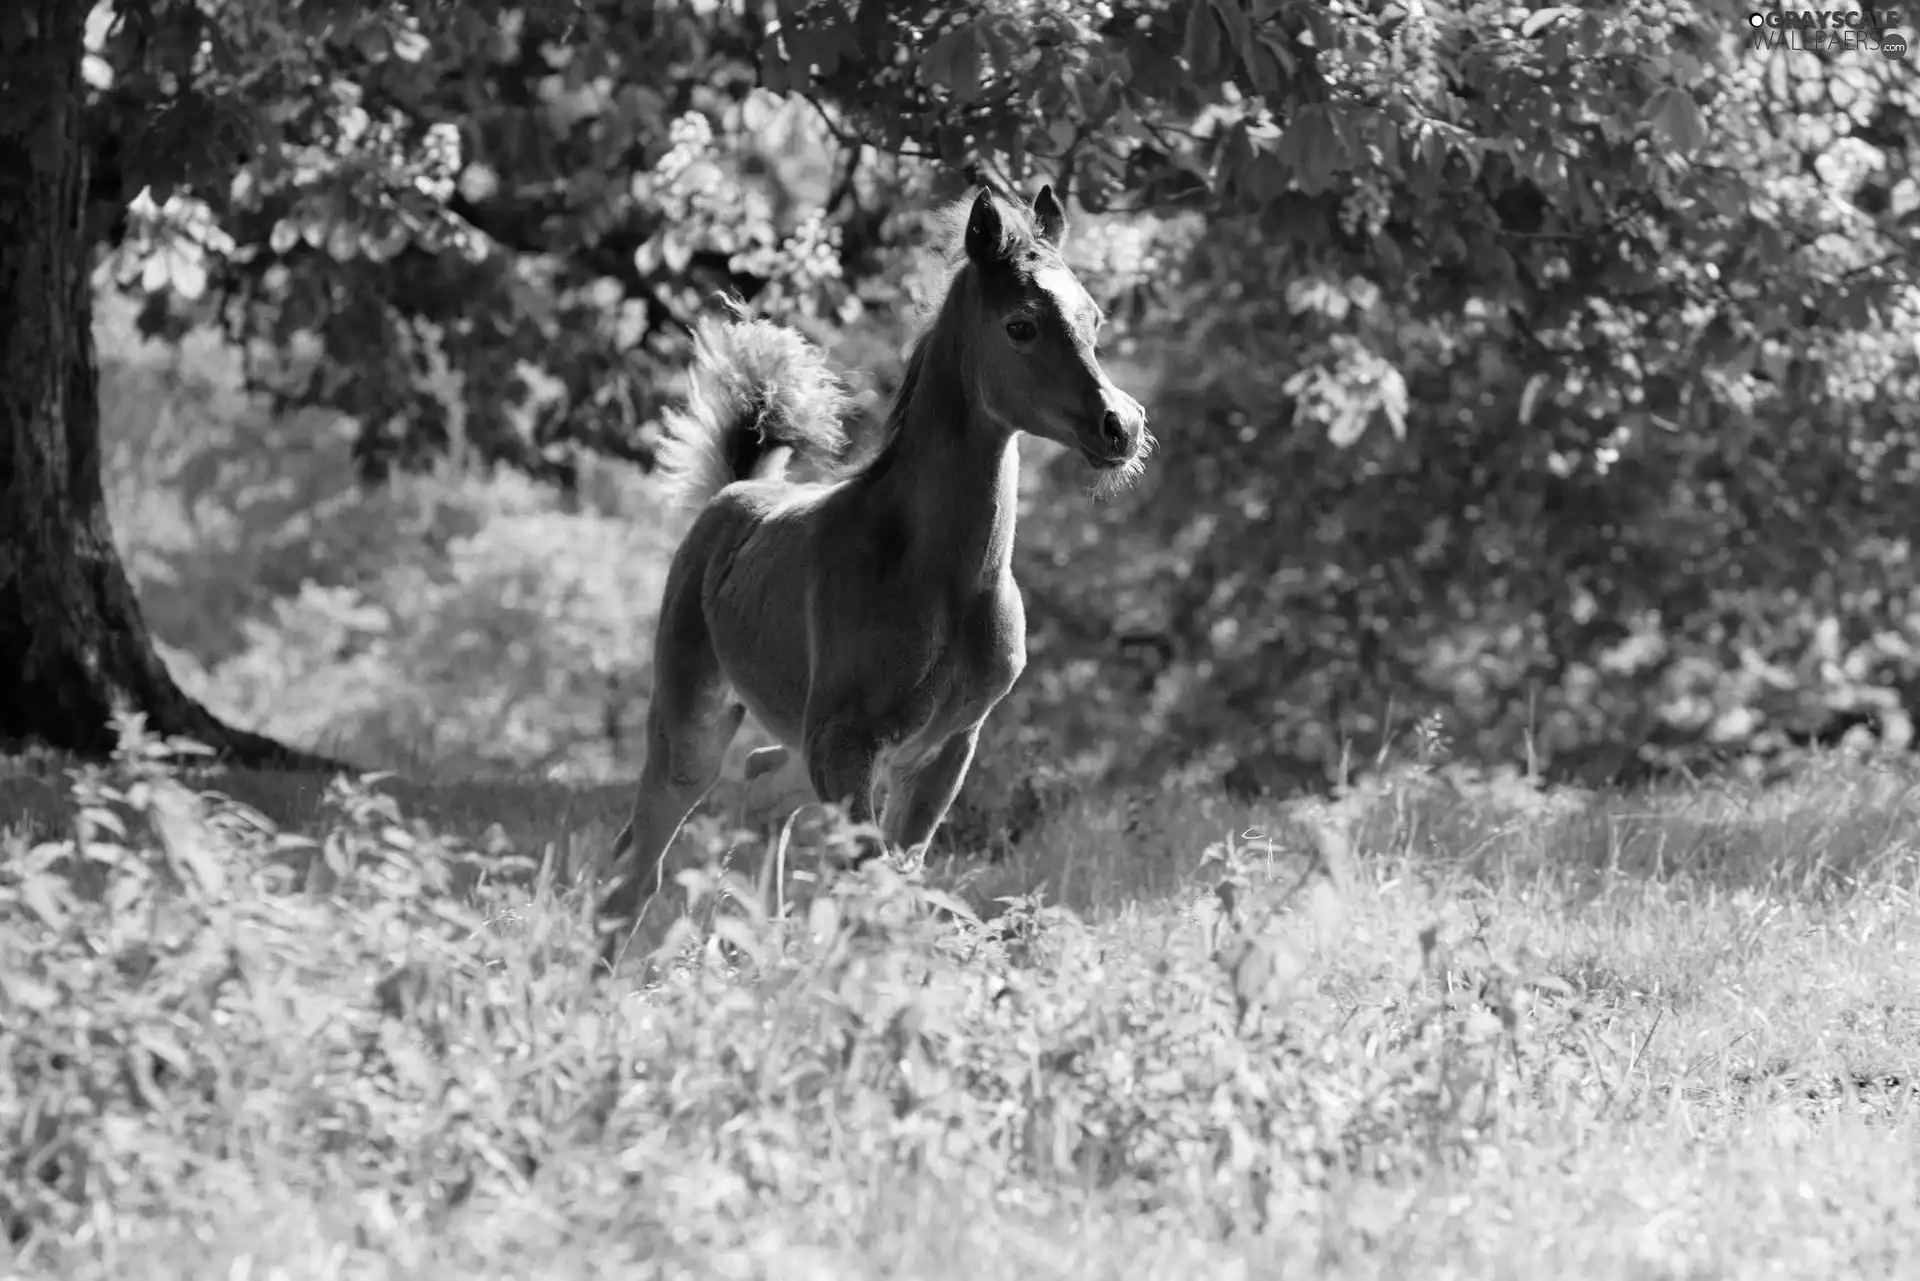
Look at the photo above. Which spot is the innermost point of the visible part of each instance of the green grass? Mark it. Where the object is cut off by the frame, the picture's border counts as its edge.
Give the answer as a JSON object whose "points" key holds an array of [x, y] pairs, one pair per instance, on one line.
{"points": [[1447, 1027]]}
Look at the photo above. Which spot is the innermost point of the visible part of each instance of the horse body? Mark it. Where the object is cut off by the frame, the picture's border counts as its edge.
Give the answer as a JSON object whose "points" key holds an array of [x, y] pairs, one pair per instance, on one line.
{"points": [[870, 622]]}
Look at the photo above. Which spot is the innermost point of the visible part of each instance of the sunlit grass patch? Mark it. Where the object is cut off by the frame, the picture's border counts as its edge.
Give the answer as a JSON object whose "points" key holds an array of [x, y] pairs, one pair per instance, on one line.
{"points": [[1444, 1022]]}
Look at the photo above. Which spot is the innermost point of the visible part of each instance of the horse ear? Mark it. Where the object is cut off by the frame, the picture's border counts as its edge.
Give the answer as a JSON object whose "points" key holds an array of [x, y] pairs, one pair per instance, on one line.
{"points": [[984, 230], [1049, 218]]}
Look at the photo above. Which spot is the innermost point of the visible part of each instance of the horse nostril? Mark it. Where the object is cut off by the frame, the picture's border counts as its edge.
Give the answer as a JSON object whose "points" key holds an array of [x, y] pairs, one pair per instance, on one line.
{"points": [[1113, 431]]}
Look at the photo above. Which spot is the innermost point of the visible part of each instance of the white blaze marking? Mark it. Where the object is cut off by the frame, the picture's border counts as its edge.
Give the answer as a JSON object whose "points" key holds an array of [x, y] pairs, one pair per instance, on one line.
{"points": [[1066, 292]]}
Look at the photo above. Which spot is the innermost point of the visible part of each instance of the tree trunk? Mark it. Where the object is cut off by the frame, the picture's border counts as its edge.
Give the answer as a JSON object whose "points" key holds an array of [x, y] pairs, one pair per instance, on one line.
{"points": [[73, 643]]}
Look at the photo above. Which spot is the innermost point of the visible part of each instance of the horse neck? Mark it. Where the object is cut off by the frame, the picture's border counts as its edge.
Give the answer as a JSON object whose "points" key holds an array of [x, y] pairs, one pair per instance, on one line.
{"points": [[954, 481]]}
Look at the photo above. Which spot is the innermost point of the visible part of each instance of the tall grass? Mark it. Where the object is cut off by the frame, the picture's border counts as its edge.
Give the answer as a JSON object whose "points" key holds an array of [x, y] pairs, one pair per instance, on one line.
{"points": [[1443, 1026]]}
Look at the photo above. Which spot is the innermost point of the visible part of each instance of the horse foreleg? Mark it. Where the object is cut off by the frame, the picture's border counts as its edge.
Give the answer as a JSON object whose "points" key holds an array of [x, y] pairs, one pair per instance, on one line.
{"points": [[923, 794], [840, 763]]}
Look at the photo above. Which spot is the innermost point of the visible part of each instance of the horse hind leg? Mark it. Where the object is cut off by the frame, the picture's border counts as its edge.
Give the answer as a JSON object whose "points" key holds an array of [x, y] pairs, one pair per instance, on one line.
{"points": [[689, 726], [690, 755]]}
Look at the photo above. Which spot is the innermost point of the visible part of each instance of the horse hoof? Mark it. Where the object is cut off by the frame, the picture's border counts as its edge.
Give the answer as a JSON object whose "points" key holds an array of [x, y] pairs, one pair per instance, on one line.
{"points": [[765, 760]]}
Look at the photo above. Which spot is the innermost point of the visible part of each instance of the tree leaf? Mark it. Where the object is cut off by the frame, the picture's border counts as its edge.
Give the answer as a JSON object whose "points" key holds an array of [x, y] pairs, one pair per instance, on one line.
{"points": [[1530, 398], [1540, 19], [1201, 47], [410, 46], [953, 63], [1676, 116], [1283, 58], [1391, 395], [1089, 93], [1239, 29], [1312, 150]]}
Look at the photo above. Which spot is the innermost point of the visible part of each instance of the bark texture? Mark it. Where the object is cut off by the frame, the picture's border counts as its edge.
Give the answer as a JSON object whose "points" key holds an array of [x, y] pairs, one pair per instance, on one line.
{"points": [[73, 642]]}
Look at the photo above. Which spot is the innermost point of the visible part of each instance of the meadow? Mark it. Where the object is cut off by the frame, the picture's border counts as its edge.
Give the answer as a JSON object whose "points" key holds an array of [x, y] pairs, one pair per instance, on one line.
{"points": [[1447, 1024], [1452, 1023], [1543, 373]]}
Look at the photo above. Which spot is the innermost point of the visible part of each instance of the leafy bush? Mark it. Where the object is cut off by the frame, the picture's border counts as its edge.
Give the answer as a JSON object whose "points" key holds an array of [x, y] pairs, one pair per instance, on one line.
{"points": [[449, 621], [228, 1046]]}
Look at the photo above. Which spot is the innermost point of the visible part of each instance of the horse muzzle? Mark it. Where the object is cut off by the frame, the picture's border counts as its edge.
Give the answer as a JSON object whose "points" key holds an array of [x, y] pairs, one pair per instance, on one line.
{"points": [[1116, 441]]}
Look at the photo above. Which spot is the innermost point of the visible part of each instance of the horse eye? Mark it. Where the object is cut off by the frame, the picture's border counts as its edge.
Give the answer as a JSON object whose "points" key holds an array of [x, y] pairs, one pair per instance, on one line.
{"points": [[1022, 331]]}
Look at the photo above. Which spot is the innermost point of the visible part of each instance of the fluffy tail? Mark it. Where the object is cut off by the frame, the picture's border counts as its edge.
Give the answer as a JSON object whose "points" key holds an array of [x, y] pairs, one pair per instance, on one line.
{"points": [[759, 394]]}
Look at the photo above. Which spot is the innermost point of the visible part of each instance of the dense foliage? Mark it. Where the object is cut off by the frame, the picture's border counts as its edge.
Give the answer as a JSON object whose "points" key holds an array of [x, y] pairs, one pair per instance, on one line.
{"points": [[1551, 366], [1466, 1026]]}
